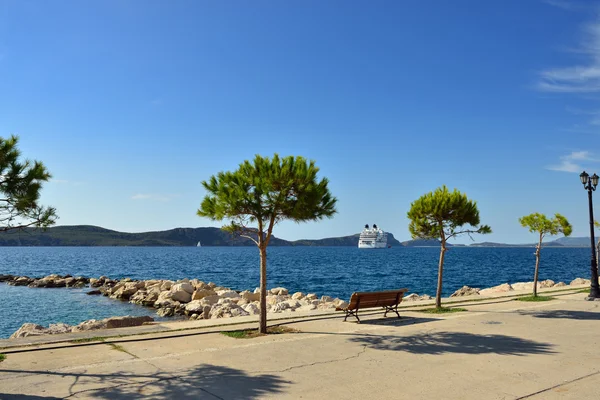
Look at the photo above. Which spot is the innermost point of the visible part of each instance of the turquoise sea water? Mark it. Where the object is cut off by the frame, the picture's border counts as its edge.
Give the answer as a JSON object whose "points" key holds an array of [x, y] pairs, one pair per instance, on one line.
{"points": [[333, 271]]}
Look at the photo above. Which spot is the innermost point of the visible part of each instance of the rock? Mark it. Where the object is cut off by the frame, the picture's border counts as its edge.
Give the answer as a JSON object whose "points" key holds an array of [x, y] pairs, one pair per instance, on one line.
{"points": [[195, 306], [21, 281], [228, 294], [180, 295], [280, 291], [185, 286], [166, 285], [412, 297], [202, 293], [307, 307], [465, 291], [311, 296], [524, 286], [124, 292], [560, 284], [210, 300], [279, 307], [54, 329], [326, 299], [29, 329], [505, 287], [341, 304], [246, 295], [94, 292], [252, 308], [274, 299], [166, 312], [92, 324], [257, 290], [548, 283], [425, 297], [227, 311], [127, 321], [326, 306], [4, 277], [298, 296], [580, 282]]}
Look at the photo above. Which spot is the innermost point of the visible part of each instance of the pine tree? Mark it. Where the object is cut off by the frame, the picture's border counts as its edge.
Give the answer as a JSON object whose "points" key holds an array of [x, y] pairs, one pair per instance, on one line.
{"points": [[440, 215], [20, 185], [258, 195], [540, 224]]}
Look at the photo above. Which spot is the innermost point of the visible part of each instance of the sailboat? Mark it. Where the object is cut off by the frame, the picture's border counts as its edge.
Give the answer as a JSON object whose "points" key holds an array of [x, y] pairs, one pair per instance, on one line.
{"points": [[199, 244]]}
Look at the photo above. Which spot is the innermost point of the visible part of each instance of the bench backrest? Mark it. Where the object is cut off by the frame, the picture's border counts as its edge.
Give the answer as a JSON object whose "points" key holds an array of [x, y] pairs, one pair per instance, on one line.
{"points": [[376, 299]]}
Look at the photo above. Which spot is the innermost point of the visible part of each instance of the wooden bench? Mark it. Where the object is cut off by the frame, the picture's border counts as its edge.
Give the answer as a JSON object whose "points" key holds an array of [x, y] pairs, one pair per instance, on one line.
{"points": [[388, 299]]}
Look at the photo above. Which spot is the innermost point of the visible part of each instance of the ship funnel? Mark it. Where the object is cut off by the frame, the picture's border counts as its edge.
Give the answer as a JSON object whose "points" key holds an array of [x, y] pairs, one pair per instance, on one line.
{"points": [[367, 226], [374, 226]]}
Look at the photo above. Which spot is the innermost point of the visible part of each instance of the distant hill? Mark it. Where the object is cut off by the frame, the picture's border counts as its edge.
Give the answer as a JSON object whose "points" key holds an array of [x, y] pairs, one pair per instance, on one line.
{"points": [[572, 241], [87, 235]]}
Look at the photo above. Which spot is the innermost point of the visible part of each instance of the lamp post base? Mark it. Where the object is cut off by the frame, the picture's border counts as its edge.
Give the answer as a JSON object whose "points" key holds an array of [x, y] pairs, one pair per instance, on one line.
{"points": [[590, 298]]}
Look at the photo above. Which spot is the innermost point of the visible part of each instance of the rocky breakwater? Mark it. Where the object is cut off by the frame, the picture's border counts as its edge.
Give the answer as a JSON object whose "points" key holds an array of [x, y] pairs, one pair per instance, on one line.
{"points": [[518, 286], [29, 329], [50, 281], [195, 299]]}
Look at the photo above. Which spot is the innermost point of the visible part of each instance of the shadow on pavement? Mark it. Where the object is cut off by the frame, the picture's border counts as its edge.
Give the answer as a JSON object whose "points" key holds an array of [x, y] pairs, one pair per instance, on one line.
{"points": [[582, 315], [25, 397], [203, 382], [454, 342]]}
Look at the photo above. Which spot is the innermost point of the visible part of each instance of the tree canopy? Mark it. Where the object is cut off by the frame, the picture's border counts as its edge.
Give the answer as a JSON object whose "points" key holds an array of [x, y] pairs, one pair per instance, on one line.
{"points": [[20, 184], [539, 223], [259, 194], [439, 214]]}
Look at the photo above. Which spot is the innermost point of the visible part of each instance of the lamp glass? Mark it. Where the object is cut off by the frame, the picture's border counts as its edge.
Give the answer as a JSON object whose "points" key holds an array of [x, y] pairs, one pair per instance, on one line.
{"points": [[595, 180], [584, 177]]}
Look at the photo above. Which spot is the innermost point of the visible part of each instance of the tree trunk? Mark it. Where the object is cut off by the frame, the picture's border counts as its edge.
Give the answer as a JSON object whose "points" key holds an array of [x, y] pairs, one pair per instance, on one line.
{"points": [[263, 289], [537, 267], [438, 294]]}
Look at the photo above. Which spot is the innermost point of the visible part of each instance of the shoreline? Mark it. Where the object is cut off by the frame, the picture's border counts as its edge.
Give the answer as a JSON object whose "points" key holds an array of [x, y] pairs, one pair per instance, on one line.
{"points": [[196, 300]]}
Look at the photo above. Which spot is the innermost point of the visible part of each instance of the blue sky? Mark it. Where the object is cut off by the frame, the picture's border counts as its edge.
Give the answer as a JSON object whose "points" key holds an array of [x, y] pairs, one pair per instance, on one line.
{"points": [[131, 104]]}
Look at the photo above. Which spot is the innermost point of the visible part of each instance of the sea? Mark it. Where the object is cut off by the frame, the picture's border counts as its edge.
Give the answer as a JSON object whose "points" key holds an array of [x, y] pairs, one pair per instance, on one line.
{"points": [[331, 271]]}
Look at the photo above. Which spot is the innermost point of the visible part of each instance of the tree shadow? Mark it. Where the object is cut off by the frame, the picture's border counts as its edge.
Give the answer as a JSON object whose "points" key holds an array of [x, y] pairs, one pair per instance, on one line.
{"points": [[564, 314], [203, 382], [394, 321], [4, 396], [455, 342]]}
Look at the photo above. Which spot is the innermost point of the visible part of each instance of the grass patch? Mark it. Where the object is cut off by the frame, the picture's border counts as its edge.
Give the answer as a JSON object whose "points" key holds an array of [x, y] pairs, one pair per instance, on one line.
{"points": [[443, 310], [86, 340], [2, 357], [535, 298], [584, 291], [252, 333]]}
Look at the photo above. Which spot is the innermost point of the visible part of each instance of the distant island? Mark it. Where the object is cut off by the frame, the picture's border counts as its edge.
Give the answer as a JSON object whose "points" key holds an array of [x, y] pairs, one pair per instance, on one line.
{"points": [[87, 235]]}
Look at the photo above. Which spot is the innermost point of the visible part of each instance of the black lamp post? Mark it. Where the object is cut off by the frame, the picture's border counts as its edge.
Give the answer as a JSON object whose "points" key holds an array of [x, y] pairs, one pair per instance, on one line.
{"points": [[590, 183]]}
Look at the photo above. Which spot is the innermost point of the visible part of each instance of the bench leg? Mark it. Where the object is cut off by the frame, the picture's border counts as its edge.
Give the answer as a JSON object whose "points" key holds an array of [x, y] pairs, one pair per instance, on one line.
{"points": [[353, 313], [394, 309]]}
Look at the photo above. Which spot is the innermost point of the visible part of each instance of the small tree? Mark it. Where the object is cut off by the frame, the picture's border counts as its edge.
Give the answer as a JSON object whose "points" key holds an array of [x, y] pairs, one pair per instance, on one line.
{"points": [[439, 215], [258, 195], [540, 224], [20, 184]]}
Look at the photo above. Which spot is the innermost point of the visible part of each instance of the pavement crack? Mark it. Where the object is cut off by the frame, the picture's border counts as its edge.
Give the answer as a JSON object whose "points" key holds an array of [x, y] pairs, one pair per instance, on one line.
{"points": [[364, 349], [557, 386]]}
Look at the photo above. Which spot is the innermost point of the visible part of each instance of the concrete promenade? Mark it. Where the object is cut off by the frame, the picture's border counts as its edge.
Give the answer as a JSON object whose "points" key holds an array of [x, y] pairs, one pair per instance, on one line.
{"points": [[498, 349]]}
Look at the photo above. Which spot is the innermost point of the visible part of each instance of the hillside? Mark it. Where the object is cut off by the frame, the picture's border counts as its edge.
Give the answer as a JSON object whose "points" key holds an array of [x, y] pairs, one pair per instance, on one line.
{"points": [[86, 235]]}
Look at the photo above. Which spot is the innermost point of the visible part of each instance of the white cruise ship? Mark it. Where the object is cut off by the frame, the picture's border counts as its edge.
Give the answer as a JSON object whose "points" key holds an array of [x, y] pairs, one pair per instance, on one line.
{"points": [[372, 238]]}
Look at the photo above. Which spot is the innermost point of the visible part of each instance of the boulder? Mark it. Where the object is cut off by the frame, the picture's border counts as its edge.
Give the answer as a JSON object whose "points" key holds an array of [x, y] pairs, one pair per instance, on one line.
{"points": [[180, 295], [326, 299], [246, 295], [202, 293], [227, 311], [280, 291], [166, 285], [22, 281], [166, 312], [274, 299], [425, 297], [341, 304], [505, 287], [412, 297], [465, 291], [124, 292], [252, 308], [93, 292], [210, 300], [92, 324], [127, 321], [228, 294], [183, 286], [29, 329], [298, 296], [580, 282], [560, 284], [195, 306], [524, 286], [548, 283], [54, 329], [307, 307], [311, 296]]}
